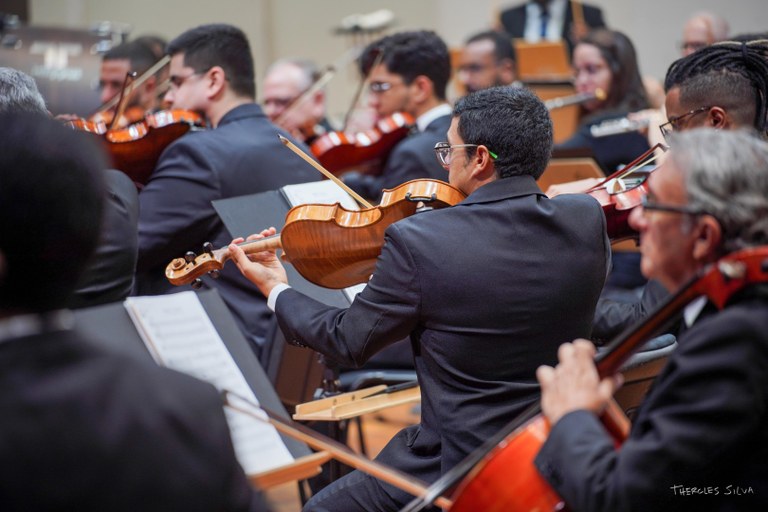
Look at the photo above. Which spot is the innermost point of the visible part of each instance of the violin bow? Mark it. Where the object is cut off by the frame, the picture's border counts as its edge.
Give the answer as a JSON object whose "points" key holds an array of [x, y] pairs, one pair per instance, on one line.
{"points": [[324, 171], [337, 450], [644, 159], [359, 91], [302, 98], [140, 80], [125, 94]]}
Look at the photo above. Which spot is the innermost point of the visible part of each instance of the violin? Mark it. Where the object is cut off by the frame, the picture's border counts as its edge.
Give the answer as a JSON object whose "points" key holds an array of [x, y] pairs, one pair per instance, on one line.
{"points": [[621, 192], [501, 476], [329, 245], [136, 148], [340, 151]]}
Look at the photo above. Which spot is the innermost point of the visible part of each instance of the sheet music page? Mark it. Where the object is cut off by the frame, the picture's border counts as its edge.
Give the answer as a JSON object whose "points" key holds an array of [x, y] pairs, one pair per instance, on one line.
{"points": [[180, 335], [318, 192]]}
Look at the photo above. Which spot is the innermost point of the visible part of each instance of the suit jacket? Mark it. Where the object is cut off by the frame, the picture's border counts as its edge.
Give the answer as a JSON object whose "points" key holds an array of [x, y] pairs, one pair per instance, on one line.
{"points": [[513, 20], [242, 155], [476, 286], [411, 159], [84, 429], [109, 277], [704, 424]]}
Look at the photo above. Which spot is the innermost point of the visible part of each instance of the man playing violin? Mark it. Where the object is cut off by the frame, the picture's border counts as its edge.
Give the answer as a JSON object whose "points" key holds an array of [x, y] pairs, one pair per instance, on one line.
{"points": [[722, 86], [134, 56], [699, 438], [212, 73], [475, 286], [285, 85], [407, 72]]}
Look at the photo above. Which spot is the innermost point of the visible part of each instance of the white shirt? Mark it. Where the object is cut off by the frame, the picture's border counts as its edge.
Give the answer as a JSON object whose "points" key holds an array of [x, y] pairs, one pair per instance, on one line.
{"points": [[533, 11], [430, 115]]}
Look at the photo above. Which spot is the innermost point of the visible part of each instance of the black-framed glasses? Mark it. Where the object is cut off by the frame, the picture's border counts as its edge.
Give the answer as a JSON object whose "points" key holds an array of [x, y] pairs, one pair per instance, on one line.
{"points": [[443, 151], [673, 123], [652, 206]]}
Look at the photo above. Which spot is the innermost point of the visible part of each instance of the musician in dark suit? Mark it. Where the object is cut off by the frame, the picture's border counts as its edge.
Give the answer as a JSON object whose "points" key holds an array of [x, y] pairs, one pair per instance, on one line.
{"points": [[550, 20], [211, 72], [84, 428], [407, 72], [110, 274], [699, 438], [477, 288]]}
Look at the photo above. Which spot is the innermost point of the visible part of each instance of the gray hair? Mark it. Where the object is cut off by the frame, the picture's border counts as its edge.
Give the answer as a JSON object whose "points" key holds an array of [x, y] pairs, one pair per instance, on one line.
{"points": [[19, 93], [726, 175], [308, 68]]}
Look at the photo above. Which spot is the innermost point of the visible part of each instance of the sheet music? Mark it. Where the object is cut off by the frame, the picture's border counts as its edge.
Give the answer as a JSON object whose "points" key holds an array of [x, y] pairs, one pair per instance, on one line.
{"points": [[318, 192], [180, 335]]}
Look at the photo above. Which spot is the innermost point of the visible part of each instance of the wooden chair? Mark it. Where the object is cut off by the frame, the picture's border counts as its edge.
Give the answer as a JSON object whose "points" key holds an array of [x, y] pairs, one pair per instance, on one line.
{"points": [[563, 170]]}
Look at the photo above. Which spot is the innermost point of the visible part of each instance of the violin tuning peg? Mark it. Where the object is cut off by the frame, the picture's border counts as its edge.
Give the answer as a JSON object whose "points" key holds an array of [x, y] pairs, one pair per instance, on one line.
{"points": [[208, 247], [215, 273], [190, 256], [197, 283]]}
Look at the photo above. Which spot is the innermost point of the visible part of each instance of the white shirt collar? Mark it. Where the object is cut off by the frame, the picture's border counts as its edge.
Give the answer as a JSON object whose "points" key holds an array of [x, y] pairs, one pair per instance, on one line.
{"points": [[693, 310], [430, 115], [554, 24]]}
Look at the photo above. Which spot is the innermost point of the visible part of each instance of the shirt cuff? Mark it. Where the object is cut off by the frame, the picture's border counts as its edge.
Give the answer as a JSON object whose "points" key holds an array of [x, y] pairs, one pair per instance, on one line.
{"points": [[272, 299]]}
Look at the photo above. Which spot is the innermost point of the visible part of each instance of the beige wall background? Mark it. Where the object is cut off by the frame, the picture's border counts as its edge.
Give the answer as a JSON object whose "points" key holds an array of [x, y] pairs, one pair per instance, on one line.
{"points": [[306, 28]]}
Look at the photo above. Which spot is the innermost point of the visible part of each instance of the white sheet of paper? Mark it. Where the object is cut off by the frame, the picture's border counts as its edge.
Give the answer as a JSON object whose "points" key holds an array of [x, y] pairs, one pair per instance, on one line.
{"points": [[318, 192], [180, 335]]}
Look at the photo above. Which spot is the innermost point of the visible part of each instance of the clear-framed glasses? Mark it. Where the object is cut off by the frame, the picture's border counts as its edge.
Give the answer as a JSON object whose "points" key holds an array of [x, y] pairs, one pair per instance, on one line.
{"points": [[652, 206], [674, 122], [443, 151], [380, 87]]}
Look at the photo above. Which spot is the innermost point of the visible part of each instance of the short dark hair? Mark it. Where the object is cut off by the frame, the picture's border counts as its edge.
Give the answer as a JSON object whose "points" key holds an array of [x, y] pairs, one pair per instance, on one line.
{"points": [[513, 123], [502, 44], [137, 53], [222, 45], [627, 92], [729, 74], [51, 195], [411, 54]]}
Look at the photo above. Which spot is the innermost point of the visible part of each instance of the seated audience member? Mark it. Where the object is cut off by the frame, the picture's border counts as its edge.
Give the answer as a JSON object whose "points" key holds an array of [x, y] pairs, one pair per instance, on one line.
{"points": [[84, 428], [698, 440]]}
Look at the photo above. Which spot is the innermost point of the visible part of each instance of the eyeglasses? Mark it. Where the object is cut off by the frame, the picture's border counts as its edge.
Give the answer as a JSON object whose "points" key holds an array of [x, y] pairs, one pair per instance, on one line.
{"points": [[379, 87], [279, 103], [674, 122], [443, 151], [473, 68], [177, 81], [651, 206]]}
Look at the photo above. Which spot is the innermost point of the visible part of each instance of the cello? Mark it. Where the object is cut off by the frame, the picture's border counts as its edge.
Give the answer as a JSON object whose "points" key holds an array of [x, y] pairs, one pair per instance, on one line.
{"points": [[501, 476]]}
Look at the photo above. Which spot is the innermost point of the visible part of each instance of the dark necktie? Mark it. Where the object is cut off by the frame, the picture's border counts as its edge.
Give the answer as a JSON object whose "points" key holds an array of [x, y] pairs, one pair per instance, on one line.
{"points": [[544, 21]]}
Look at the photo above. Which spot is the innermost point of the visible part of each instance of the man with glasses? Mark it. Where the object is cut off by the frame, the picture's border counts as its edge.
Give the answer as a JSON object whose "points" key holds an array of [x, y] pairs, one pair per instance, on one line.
{"points": [[487, 60], [722, 86], [485, 290], [701, 30], [285, 103], [212, 73], [407, 72], [699, 438]]}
